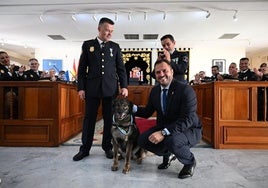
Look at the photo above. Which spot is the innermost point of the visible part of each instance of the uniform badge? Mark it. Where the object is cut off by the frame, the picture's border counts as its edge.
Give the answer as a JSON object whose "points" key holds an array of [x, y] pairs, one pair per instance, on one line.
{"points": [[2, 71], [91, 49], [111, 52], [31, 76]]}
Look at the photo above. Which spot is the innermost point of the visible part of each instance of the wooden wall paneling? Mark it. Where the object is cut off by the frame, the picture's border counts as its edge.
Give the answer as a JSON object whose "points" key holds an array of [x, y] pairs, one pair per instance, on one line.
{"points": [[205, 110], [234, 122], [46, 119], [27, 133], [139, 94], [30, 108], [64, 102], [1, 102]]}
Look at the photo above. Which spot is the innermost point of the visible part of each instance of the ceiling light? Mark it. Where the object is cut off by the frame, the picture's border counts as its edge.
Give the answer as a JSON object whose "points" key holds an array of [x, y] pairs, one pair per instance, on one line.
{"points": [[94, 17], [145, 16], [235, 16], [115, 16], [164, 16], [129, 16], [208, 14], [41, 18], [74, 18]]}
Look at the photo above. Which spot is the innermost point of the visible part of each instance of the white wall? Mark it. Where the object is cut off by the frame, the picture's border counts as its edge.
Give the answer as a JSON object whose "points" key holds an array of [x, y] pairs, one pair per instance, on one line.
{"points": [[258, 58], [68, 55], [200, 57]]}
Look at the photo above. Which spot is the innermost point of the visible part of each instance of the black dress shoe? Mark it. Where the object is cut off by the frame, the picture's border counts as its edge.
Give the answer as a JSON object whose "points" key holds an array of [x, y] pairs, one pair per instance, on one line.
{"points": [[187, 171], [80, 155], [109, 154], [166, 161]]}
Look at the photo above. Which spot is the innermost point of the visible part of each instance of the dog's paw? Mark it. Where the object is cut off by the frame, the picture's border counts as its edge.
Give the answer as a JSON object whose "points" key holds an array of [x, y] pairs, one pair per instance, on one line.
{"points": [[125, 170], [114, 168]]}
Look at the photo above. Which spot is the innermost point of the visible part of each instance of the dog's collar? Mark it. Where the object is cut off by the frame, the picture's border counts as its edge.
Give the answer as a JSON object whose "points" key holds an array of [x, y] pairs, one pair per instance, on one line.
{"points": [[123, 131]]}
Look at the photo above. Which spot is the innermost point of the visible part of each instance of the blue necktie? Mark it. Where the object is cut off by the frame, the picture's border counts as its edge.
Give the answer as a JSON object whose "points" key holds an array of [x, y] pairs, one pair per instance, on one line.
{"points": [[164, 100]]}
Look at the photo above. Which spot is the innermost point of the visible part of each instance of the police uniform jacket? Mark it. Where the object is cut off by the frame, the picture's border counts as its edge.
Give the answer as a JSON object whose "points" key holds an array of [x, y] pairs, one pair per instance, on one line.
{"points": [[6, 75], [31, 75], [100, 69], [248, 75], [179, 64]]}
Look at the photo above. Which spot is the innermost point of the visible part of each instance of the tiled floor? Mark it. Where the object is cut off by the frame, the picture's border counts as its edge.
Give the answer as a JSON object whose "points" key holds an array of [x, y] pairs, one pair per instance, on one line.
{"points": [[52, 167]]}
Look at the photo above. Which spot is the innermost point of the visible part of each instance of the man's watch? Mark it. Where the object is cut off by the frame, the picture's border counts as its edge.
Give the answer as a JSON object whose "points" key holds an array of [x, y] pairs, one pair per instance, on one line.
{"points": [[164, 133]]}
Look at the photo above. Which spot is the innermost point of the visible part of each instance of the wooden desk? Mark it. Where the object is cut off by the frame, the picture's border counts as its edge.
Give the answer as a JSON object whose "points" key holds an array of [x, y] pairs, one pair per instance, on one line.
{"points": [[230, 114], [44, 114], [139, 94]]}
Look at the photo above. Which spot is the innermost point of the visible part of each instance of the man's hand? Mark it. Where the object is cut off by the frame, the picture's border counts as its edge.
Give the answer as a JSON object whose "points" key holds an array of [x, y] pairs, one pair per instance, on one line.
{"points": [[82, 94], [124, 92], [156, 137], [167, 55]]}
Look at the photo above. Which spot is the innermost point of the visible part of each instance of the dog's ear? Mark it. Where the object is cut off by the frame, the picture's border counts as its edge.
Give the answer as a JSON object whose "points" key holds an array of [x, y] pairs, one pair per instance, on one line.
{"points": [[130, 106]]}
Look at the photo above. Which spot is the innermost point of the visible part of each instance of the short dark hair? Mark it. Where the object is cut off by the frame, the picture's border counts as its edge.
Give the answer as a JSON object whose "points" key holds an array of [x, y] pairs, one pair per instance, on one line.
{"points": [[244, 58], [162, 61], [33, 59], [106, 20], [168, 36], [215, 66], [3, 52], [263, 65]]}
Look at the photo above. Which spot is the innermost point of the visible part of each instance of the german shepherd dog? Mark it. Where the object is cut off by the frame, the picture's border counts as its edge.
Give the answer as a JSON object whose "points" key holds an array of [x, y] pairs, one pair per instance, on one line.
{"points": [[125, 135]]}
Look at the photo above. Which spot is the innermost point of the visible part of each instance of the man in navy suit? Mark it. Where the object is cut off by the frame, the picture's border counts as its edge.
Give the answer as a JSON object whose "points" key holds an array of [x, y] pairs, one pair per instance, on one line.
{"points": [[178, 126], [100, 69]]}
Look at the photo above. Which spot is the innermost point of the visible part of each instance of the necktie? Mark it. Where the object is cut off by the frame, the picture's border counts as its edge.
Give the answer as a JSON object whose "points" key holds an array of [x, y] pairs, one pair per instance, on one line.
{"points": [[164, 99], [102, 45]]}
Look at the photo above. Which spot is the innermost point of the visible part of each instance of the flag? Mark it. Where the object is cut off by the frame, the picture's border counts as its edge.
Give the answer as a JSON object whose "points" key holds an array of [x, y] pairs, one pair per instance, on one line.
{"points": [[74, 72]]}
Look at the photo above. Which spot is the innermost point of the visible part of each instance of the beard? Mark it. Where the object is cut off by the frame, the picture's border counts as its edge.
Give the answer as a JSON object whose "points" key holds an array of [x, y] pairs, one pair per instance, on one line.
{"points": [[164, 80]]}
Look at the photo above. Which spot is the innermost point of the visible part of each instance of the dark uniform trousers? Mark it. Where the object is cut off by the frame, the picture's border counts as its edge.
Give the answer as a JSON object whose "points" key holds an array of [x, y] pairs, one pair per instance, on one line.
{"points": [[92, 104]]}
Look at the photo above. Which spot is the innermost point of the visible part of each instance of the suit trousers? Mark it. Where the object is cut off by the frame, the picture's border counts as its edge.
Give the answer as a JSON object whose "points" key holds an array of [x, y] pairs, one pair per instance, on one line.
{"points": [[177, 143], [91, 110]]}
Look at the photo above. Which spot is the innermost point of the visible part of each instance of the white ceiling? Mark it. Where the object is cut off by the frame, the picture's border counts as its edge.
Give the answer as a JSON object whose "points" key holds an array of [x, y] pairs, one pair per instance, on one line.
{"points": [[21, 27]]}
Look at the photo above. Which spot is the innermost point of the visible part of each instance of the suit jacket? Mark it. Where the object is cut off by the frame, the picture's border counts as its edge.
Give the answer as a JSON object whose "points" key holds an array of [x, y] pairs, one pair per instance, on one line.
{"points": [[30, 75], [100, 70], [181, 116]]}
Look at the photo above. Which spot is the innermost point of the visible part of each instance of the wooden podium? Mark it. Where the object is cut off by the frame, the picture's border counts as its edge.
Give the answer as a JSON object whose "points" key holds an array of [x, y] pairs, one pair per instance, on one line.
{"points": [[234, 114], [39, 113]]}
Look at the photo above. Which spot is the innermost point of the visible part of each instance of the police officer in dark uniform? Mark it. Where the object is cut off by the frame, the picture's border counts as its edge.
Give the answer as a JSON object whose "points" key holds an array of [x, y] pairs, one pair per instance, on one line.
{"points": [[178, 60], [8, 72], [100, 69], [245, 74], [33, 74]]}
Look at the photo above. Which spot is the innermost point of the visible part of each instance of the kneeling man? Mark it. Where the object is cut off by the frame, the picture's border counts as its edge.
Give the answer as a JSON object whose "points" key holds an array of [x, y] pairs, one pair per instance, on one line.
{"points": [[178, 126]]}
